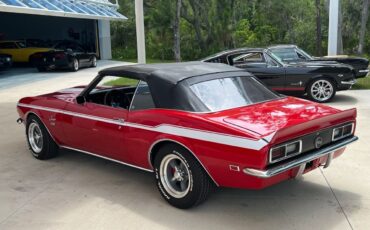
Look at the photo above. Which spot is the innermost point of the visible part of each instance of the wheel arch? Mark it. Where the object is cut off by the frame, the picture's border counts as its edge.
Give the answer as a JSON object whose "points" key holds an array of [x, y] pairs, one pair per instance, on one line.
{"points": [[153, 150], [32, 113], [312, 79]]}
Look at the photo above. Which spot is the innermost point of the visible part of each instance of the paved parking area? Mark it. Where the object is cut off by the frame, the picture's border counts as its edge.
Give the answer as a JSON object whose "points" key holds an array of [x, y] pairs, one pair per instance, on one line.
{"points": [[76, 191]]}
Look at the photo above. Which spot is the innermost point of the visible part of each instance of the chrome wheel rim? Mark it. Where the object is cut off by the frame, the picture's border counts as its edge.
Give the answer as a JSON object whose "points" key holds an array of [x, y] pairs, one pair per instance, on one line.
{"points": [[35, 137], [75, 64], [175, 176], [322, 90]]}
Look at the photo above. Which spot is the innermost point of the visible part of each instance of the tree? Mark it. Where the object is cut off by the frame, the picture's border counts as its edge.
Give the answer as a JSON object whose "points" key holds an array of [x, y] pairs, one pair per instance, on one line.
{"points": [[176, 32], [318, 28], [364, 16]]}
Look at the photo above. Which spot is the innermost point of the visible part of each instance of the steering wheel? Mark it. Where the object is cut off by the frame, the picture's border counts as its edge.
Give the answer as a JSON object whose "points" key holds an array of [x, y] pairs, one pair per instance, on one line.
{"points": [[116, 98]]}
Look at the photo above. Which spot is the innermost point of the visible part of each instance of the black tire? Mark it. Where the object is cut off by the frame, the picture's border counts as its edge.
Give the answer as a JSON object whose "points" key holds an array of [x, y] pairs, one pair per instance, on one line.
{"points": [[48, 148], [75, 65], [41, 69], [325, 97], [199, 183]]}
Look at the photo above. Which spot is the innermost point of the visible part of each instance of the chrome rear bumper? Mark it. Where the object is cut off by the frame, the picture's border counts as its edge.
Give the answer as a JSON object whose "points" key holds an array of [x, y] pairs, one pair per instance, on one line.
{"points": [[301, 161], [351, 82]]}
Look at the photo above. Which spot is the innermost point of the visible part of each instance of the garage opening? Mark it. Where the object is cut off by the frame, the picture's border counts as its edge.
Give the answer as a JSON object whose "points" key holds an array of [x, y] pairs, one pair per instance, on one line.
{"points": [[47, 31]]}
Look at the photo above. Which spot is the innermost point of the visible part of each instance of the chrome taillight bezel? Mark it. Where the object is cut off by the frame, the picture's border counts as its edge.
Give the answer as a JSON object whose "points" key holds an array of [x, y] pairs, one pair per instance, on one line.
{"points": [[342, 127], [285, 155]]}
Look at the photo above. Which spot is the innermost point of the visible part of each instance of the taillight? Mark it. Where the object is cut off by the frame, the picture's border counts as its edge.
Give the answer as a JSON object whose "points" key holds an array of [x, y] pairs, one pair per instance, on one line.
{"points": [[59, 55], [342, 131], [285, 151]]}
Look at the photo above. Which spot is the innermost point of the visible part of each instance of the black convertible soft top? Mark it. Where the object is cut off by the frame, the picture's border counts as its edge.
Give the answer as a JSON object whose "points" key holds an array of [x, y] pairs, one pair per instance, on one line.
{"points": [[169, 83], [167, 72]]}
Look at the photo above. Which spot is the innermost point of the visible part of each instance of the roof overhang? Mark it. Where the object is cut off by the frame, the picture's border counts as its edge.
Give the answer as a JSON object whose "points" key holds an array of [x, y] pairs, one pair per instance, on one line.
{"points": [[88, 9]]}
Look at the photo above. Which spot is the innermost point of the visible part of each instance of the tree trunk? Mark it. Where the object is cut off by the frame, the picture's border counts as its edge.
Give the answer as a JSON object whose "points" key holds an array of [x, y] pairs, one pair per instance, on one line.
{"points": [[176, 32], [365, 14], [340, 22], [318, 29]]}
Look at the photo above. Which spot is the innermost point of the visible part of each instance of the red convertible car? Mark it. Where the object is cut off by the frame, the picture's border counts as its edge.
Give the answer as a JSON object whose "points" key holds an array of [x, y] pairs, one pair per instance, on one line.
{"points": [[194, 125]]}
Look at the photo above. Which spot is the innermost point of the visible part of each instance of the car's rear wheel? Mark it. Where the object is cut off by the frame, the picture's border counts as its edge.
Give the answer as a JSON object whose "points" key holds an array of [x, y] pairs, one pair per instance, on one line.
{"points": [[40, 142], [180, 178], [75, 65], [321, 90], [93, 62]]}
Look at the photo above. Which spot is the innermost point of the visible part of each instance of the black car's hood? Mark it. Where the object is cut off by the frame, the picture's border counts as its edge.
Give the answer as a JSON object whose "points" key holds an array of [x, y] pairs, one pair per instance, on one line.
{"points": [[340, 58]]}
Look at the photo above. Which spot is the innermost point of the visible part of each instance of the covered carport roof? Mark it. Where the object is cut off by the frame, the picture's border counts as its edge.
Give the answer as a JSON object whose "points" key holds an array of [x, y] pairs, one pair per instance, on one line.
{"points": [[89, 9]]}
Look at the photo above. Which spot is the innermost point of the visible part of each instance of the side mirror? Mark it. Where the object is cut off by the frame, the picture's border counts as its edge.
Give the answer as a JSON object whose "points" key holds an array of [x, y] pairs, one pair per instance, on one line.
{"points": [[80, 100], [69, 50]]}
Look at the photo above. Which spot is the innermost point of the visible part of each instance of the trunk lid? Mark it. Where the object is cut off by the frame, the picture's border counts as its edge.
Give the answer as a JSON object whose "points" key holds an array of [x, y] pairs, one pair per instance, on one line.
{"points": [[287, 118]]}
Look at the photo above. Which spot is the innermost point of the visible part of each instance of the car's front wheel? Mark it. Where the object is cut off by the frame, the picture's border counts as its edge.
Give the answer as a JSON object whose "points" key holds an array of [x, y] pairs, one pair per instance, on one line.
{"points": [[40, 142], [180, 178], [321, 90]]}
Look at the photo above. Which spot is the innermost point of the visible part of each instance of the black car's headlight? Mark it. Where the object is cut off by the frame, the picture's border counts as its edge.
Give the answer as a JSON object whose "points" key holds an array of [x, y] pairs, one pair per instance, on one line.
{"points": [[285, 151], [342, 131]]}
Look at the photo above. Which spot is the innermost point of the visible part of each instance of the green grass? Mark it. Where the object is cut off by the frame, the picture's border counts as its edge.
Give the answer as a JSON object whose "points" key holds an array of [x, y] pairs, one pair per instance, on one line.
{"points": [[121, 82], [148, 61], [362, 83]]}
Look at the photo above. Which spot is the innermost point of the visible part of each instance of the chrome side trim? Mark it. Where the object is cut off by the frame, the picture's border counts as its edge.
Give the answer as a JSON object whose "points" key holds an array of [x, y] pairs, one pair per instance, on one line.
{"points": [[297, 162], [90, 117], [351, 82], [204, 135], [184, 146], [106, 158], [363, 71]]}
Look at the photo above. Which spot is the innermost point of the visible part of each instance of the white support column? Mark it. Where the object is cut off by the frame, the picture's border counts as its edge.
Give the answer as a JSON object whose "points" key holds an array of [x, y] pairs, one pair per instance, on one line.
{"points": [[105, 46], [140, 33], [333, 27]]}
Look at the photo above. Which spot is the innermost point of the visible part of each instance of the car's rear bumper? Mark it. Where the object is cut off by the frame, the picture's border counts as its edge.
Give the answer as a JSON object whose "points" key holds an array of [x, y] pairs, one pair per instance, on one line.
{"points": [[362, 73], [347, 84], [51, 63], [301, 162]]}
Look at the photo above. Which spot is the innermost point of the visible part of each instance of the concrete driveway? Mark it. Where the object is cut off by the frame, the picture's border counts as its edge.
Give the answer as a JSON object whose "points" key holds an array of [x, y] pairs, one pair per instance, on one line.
{"points": [[77, 191]]}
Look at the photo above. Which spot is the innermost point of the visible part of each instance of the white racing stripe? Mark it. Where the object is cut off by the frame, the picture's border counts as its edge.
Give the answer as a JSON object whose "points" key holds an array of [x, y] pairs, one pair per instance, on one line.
{"points": [[203, 135]]}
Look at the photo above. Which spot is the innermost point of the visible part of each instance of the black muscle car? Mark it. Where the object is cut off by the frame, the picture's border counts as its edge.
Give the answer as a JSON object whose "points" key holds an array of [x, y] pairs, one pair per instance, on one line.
{"points": [[319, 80], [5, 61], [292, 53], [65, 55]]}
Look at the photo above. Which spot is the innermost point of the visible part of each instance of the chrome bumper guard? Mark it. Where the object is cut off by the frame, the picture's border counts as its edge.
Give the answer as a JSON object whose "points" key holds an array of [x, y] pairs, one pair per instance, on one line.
{"points": [[351, 82], [302, 161]]}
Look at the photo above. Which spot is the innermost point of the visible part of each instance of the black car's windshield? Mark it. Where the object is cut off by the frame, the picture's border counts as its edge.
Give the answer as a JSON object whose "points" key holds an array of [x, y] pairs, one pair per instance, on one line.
{"points": [[302, 52], [231, 92]]}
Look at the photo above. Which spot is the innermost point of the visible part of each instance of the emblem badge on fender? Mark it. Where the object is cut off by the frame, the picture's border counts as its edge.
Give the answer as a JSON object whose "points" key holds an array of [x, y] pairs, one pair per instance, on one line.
{"points": [[318, 142]]}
